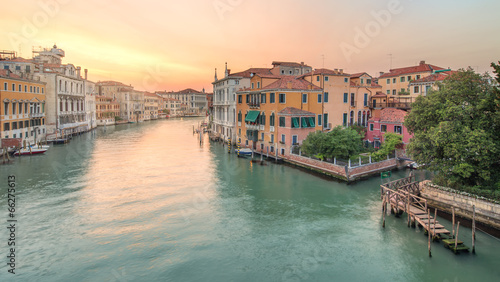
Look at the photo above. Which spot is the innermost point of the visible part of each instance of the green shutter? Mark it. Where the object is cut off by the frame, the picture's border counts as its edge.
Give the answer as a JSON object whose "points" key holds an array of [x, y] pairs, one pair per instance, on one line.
{"points": [[304, 122], [295, 122], [311, 122]]}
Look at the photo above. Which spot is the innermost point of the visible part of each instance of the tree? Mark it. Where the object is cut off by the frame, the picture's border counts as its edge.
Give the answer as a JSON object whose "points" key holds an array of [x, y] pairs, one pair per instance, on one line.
{"points": [[457, 131], [339, 142], [391, 141]]}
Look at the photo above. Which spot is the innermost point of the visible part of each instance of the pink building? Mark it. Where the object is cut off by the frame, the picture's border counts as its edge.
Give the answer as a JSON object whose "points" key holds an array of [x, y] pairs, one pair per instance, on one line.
{"points": [[388, 120], [294, 126]]}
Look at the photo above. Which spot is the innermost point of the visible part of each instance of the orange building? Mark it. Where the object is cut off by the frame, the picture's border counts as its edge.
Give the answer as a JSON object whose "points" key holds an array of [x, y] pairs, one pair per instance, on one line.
{"points": [[106, 110], [22, 114], [258, 109]]}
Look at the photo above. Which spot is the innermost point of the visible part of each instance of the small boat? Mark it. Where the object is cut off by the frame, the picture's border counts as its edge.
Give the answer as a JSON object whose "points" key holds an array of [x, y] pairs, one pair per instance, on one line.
{"points": [[29, 151], [40, 147], [244, 151]]}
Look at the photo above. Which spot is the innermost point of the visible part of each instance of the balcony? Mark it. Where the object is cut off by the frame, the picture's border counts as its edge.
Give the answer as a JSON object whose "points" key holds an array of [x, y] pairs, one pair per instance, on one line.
{"points": [[271, 128], [252, 126], [36, 115], [262, 127], [254, 105]]}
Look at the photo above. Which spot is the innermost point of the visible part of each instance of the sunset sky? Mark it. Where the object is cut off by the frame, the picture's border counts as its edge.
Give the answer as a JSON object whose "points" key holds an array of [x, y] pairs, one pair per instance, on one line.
{"points": [[172, 45]]}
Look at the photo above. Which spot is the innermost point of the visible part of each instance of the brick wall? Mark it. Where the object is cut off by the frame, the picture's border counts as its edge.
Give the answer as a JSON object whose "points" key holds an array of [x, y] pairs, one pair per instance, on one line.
{"points": [[11, 142]]}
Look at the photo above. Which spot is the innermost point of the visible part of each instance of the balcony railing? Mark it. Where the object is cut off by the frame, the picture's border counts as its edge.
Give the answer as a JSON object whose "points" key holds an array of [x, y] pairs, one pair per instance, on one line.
{"points": [[253, 105], [271, 128], [36, 115], [252, 126]]}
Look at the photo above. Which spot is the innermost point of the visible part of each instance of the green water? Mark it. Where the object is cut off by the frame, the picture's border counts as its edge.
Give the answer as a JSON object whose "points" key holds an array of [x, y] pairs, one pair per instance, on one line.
{"points": [[146, 202]]}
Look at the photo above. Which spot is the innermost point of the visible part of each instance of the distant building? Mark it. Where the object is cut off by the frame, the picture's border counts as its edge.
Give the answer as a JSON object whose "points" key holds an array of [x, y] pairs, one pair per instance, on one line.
{"points": [[196, 101], [131, 101], [396, 81], [22, 114], [294, 126], [423, 85], [151, 106], [90, 103], [290, 68], [107, 109], [387, 120], [173, 107]]}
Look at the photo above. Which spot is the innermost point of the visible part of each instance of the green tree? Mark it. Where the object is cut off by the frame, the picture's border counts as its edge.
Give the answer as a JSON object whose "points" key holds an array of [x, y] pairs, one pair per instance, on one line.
{"points": [[339, 142], [391, 141], [456, 131]]}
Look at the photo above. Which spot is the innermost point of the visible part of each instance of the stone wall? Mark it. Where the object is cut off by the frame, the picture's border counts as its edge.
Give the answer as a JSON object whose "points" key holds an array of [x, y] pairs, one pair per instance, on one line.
{"points": [[486, 212], [339, 171]]}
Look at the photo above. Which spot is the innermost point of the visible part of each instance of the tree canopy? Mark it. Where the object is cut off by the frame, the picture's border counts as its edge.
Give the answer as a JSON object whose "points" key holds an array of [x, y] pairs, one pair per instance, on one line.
{"points": [[339, 142], [391, 141], [457, 131]]}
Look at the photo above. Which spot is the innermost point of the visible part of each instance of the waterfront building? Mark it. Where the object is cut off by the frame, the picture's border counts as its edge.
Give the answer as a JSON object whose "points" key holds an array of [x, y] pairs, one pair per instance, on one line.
{"points": [[131, 101], [387, 120], [22, 114], [290, 68], [151, 106], [294, 126], [396, 81], [196, 101], [224, 99], [90, 103], [210, 103], [362, 87], [107, 110], [173, 107], [258, 123]]}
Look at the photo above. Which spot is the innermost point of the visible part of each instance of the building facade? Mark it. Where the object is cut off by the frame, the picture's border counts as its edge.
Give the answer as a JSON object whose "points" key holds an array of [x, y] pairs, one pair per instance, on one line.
{"points": [[389, 120], [107, 110], [151, 106], [22, 114]]}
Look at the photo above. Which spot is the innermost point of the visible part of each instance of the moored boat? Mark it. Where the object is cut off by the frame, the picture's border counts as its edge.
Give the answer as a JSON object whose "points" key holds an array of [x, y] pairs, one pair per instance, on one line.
{"points": [[244, 151], [29, 151]]}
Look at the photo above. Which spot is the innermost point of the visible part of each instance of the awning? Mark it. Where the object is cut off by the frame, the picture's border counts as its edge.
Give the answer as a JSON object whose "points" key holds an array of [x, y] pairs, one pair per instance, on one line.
{"points": [[311, 122], [252, 116]]}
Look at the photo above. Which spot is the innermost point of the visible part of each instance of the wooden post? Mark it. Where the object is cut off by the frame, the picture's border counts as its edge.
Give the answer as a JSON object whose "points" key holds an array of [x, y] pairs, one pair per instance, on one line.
{"points": [[473, 228], [453, 221], [384, 209], [408, 208], [429, 231], [434, 229], [456, 237]]}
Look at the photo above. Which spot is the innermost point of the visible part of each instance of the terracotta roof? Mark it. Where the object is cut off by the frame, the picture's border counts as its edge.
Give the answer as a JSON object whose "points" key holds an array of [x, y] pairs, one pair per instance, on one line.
{"points": [[247, 73], [151, 95], [295, 112], [379, 95], [110, 83], [289, 64], [422, 67], [374, 84], [359, 74], [324, 72], [291, 82], [392, 115], [18, 60], [188, 91], [9, 74], [434, 77]]}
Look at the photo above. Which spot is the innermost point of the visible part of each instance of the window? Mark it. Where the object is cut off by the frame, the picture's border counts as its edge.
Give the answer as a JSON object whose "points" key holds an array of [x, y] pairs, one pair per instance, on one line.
{"points": [[258, 84], [397, 129], [283, 137], [20, 88], [14, 126], [394, 80], [263, 119], [26, 124], [402, 79], [402, 90], [239, 116], [383, 128], [282, 98], [346, 80], [317, 78], [409, 78], [319, 120], [295, 139], [240, 99], [13, 108], [272, 98], [326, 97], [6, 126], [283, 151], [262, 137], [368, 81], [417, 77], [365, 100], [416, 89], [282, 122], [31, 89], [5, 87], [371, 126], [326, 78], [346, 97], [248, 98], [352, 100], [252, 85], [393, 91], [325, 120], [388, 81], [271, 120], [388, 92], [6, 108], [263, 98], [20, 108], [304, 98], [13, 87], [5, 67], [362, 81], [319, 98], [272, 139], [344, 119], [25, 88], [295, 122]]}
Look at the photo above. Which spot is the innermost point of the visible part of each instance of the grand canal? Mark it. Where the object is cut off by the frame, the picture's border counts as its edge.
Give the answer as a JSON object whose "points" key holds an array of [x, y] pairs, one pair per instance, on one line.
{"points": [[146, 202]]}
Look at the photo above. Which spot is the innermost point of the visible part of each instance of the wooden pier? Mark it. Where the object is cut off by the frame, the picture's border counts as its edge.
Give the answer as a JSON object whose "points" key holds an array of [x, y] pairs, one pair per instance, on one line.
{"points": [[403, 196]]}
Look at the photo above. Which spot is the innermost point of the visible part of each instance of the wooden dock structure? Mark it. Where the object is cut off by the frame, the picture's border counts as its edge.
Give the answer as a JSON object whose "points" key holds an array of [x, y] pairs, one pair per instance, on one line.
{"points": [[403, 196]]}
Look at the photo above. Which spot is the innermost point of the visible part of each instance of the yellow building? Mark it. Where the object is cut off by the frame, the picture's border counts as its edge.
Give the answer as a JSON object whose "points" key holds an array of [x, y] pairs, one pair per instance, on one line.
{"points": [[396, 81], [151, 105], [107, 109], [258, 108], [22, 114]]}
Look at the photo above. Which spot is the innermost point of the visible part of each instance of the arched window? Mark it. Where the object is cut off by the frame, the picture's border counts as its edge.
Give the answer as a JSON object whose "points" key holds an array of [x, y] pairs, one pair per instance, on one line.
{"points": [[271, 120], [352, 118], [359, 117], [364, 118], [263, 118], [239, 116]]}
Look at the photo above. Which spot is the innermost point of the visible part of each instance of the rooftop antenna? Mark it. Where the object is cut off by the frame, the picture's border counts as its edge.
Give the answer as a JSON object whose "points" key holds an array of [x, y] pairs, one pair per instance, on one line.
{"points": [[390, 58]]}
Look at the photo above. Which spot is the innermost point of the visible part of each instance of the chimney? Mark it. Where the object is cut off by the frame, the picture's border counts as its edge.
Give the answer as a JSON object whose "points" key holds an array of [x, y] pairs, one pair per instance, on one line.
{"points": [[422, 62], [381, 73], [228, 71], [302, 63], [86, 71], [78, 72], [341, 71], [336, 69]]}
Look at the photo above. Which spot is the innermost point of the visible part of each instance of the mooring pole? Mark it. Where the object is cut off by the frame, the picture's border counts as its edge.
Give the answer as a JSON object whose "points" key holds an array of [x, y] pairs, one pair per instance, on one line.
{"points": [[456, 237], [384, 209], [434, 230], [473, 228], [453, 220], [429, 231]]}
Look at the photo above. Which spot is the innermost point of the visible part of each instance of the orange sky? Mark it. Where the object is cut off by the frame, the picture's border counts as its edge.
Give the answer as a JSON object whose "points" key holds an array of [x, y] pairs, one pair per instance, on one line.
{"points": [[171, 45]]}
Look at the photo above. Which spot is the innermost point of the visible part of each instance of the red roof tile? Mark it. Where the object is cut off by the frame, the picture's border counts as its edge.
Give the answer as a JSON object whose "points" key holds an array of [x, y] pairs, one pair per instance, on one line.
{"points": [[9, 74], [324, 72], [379, 95], [392, 115], [359, 74], [422, 67], [434, 77], [291, 82]]}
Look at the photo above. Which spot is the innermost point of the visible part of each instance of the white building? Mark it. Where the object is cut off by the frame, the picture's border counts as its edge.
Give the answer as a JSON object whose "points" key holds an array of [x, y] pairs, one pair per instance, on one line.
{"points": [[90, 103], [196, 101]]}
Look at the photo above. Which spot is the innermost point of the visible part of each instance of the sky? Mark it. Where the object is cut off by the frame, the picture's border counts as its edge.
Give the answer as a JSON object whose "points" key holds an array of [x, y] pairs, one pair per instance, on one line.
{"points": [[173, 45]]}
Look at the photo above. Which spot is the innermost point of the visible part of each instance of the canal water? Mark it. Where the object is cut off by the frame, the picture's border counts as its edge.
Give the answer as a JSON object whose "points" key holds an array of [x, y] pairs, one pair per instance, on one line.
{"points": [[146, 202]]}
